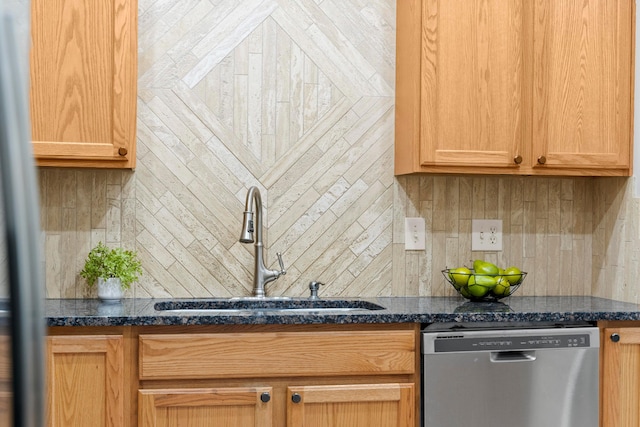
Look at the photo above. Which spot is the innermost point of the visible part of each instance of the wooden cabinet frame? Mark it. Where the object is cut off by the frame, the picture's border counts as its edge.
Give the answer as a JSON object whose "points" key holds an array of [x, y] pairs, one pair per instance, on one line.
{"points": [[619, 374], [374, 400], [85, 380], [84, 82], [488, 87], [201, 373], [167, 406], [350, 366]]}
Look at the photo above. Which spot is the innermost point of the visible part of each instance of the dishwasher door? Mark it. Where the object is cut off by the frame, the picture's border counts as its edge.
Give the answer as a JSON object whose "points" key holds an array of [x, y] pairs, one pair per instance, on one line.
{"points": [[507, 378]]}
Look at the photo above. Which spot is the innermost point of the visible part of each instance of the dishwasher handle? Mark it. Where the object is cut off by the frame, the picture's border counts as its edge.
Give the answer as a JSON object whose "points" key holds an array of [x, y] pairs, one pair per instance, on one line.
{"points": [[512, 356]]}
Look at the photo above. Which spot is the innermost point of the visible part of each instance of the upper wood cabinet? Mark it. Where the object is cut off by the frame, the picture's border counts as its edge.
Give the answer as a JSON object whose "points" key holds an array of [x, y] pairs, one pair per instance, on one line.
{"points": [[84, 82], [514, 87]]}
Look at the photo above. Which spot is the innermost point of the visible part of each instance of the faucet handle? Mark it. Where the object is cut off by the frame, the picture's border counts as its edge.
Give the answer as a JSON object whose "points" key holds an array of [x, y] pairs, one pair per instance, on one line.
{"points": [[282, 270]]}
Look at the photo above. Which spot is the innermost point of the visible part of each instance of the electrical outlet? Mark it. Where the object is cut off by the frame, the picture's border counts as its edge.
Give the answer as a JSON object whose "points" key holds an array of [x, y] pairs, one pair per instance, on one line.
{"points": [[486, 235], [414, 231]]}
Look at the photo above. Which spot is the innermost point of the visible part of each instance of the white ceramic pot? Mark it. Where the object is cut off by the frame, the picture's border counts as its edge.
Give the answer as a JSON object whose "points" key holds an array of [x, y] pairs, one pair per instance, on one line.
{"points": [[110, 290]]}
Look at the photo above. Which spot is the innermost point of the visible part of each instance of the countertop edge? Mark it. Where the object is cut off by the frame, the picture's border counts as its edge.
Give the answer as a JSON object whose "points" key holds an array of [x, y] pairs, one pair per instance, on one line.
{"points": [[424, 310]]}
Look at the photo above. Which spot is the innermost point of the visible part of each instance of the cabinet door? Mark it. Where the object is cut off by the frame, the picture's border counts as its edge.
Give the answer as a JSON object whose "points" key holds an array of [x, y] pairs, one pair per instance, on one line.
{"points": [[6, 378], [472, 86], [229, 407], [85, 381], [361, 405], [83, 82], [620, 388], [583, 83]]}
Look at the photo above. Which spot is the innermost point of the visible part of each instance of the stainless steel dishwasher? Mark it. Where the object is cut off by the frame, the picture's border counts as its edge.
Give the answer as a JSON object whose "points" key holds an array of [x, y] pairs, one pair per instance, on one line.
{"points": [[522, 375]]}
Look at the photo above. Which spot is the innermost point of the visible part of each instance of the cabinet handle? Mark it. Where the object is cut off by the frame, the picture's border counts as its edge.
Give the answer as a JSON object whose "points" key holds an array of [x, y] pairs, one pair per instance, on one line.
{"points": [[517, 159], [265, 397], [122, 151], [615, 337], [296, 398], [542, 160]]}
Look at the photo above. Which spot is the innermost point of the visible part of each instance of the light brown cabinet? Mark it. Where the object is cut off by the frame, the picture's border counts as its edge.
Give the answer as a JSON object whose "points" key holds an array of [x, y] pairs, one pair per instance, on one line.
{"points": [[6, 378], [85, 381], [235, 375], [353, 405], [282, 377], [83, 82], [356, 405], [515, 87], [238, 407], [620, 376]]}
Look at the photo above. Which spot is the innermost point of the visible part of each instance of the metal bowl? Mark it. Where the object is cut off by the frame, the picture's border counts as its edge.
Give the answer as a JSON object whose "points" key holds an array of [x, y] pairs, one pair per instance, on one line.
{"points": [[506, 285]]}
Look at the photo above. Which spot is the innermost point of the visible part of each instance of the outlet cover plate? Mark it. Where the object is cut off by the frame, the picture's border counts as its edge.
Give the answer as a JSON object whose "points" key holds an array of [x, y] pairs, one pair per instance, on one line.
{"points": [[414, 234], [486, 235]]}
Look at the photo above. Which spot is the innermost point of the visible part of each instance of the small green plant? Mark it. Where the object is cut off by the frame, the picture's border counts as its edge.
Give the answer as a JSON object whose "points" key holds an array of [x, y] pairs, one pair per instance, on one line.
{"points": [[104, 262]]}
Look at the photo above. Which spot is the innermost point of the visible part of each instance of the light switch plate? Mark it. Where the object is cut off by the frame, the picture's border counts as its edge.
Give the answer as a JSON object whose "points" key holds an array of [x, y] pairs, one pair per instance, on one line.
{"points": [[414, 234], [486, 235]]}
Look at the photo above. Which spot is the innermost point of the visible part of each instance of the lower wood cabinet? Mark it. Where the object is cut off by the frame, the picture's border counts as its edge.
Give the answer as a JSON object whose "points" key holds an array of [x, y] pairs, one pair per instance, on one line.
{"points": [[295, 377], [353, 405], [234, 376], [85, 383], [357, 405], [620, 375], [237, 407], [6, 378]]}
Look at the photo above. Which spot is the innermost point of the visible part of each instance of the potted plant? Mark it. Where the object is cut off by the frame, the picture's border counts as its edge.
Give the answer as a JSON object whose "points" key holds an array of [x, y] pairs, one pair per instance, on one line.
{"points": [[113, 269]]}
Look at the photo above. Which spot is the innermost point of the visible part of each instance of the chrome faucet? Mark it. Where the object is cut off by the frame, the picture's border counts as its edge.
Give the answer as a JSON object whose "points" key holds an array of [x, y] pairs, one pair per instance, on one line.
{"points": [[261, 274]]}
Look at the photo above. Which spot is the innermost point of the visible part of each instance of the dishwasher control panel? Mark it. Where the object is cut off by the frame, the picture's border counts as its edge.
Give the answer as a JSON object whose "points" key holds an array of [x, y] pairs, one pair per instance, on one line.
{"points": [[456, 343]]}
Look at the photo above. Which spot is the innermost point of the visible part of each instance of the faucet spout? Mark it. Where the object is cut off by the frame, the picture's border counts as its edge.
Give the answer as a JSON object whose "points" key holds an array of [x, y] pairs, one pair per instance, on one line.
{"points": [[261, 274]]}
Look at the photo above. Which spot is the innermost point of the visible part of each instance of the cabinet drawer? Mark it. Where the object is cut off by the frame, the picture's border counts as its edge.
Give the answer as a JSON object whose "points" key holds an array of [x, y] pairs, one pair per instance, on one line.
{"points": [[277, 354], [240, 406]]}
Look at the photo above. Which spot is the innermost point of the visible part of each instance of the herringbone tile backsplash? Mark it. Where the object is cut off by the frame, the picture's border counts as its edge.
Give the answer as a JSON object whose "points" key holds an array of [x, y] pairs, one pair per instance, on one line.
{"points": [[297, 98]]}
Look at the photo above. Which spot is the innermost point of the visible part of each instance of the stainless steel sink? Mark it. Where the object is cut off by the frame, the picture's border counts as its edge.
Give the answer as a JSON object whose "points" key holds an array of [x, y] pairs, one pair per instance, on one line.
{"points": [[270, 305]]}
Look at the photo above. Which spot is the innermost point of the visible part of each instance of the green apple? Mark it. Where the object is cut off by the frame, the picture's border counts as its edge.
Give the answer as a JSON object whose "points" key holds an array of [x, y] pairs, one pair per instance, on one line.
{"points": [[513, 275], [483, 267], [464, 291], [477, 290], [488, 282], [479, 285], [459, 277], [502, 288]]}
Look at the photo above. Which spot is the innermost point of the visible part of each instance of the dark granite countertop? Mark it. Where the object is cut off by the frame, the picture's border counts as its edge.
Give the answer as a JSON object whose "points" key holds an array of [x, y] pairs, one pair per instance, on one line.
{"points": [[139, 312]]}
